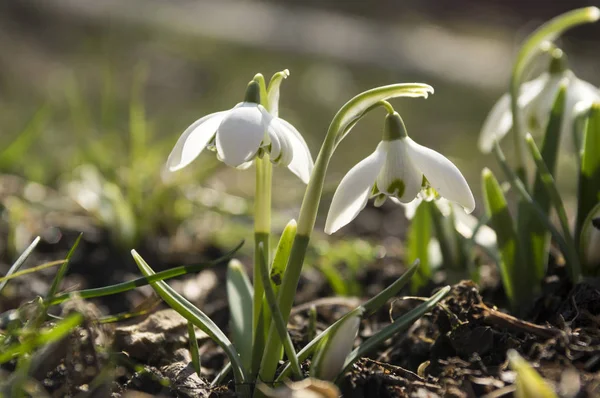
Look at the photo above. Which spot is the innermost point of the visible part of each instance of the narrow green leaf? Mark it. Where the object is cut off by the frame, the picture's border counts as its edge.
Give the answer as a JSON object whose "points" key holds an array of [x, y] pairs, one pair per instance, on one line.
{"points": [[63, 269], [273, 91], [531, 231], [199, 319], [589, 173], [397, 326], [517, 184], [20, 261], [552, 192], [417, 247], [194, 348], [239, 296], [32, 270], [367, 308], [143, 281], [45, 336], [516, 280], [282, 254], [280, 324]]}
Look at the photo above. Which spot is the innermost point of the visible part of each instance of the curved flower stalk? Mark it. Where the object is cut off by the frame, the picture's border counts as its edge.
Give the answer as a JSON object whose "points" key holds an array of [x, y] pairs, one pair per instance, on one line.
{"points": [[535, 101], [399, 168], [242, 133], [341, 124]]}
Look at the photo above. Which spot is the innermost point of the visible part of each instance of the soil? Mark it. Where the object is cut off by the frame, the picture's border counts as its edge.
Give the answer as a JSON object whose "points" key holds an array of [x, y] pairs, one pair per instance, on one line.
{"points": [[457, 350]]}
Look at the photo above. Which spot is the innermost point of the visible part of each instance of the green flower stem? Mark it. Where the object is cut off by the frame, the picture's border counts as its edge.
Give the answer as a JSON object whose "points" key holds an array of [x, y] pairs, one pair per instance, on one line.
{"points": [[262, 227], [346, 117], [552, 191], [532, 47]]}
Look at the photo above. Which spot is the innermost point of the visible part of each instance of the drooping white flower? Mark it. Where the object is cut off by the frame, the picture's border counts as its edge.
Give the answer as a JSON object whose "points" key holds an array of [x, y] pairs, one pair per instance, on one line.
{"points": [[535, 101], [239, 135], [399, 168]]}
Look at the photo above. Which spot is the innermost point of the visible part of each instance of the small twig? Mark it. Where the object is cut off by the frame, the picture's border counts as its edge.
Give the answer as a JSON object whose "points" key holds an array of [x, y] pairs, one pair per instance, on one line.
{"points": [[497, 318]]}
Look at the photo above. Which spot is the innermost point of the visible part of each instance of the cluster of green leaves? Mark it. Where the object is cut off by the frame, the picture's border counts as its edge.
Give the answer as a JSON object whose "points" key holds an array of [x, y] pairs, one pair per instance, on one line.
{"points": [[524, 237], [520, 241]]}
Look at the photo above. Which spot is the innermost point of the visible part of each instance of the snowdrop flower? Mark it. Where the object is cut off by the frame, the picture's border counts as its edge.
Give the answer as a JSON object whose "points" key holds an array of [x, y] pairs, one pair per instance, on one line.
{"points": [[240, 134], [536, 99], [399, 168]]}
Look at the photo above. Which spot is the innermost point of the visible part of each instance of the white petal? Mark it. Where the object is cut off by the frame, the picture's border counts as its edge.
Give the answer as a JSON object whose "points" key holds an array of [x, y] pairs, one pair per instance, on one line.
{"points": [[194, 140], [353, 192], [302, 163], [442, 174], [540, 109], [241, 132], [580, 96], [499, 120], [276, 144], [399, 168], [410, 208]]}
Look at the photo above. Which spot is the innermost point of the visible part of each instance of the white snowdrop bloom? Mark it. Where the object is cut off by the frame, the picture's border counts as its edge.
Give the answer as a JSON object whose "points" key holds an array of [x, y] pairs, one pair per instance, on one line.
{"points": [[535, 101], [239, 135], [399, 168]]}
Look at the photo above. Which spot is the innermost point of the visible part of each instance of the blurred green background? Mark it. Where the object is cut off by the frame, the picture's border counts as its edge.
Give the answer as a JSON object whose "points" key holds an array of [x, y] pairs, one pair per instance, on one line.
{"points": [[111, 84]]}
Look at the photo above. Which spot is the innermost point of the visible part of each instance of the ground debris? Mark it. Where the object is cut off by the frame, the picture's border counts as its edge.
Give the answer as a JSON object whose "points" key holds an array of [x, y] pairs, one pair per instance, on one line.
{"points": [[155, 339]]}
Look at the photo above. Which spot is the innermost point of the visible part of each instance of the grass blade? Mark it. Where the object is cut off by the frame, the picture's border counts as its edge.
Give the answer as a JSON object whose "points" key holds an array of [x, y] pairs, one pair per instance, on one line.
{"points": [[367, 308], [63, 269], [554, 197], [199, 319], [520, 187], [32, 270], [194, 348], [280, 324], [239, 297], [143, 281], [20, 261], [517, 280], [45, 336], [399, 324], [531, 231]]}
